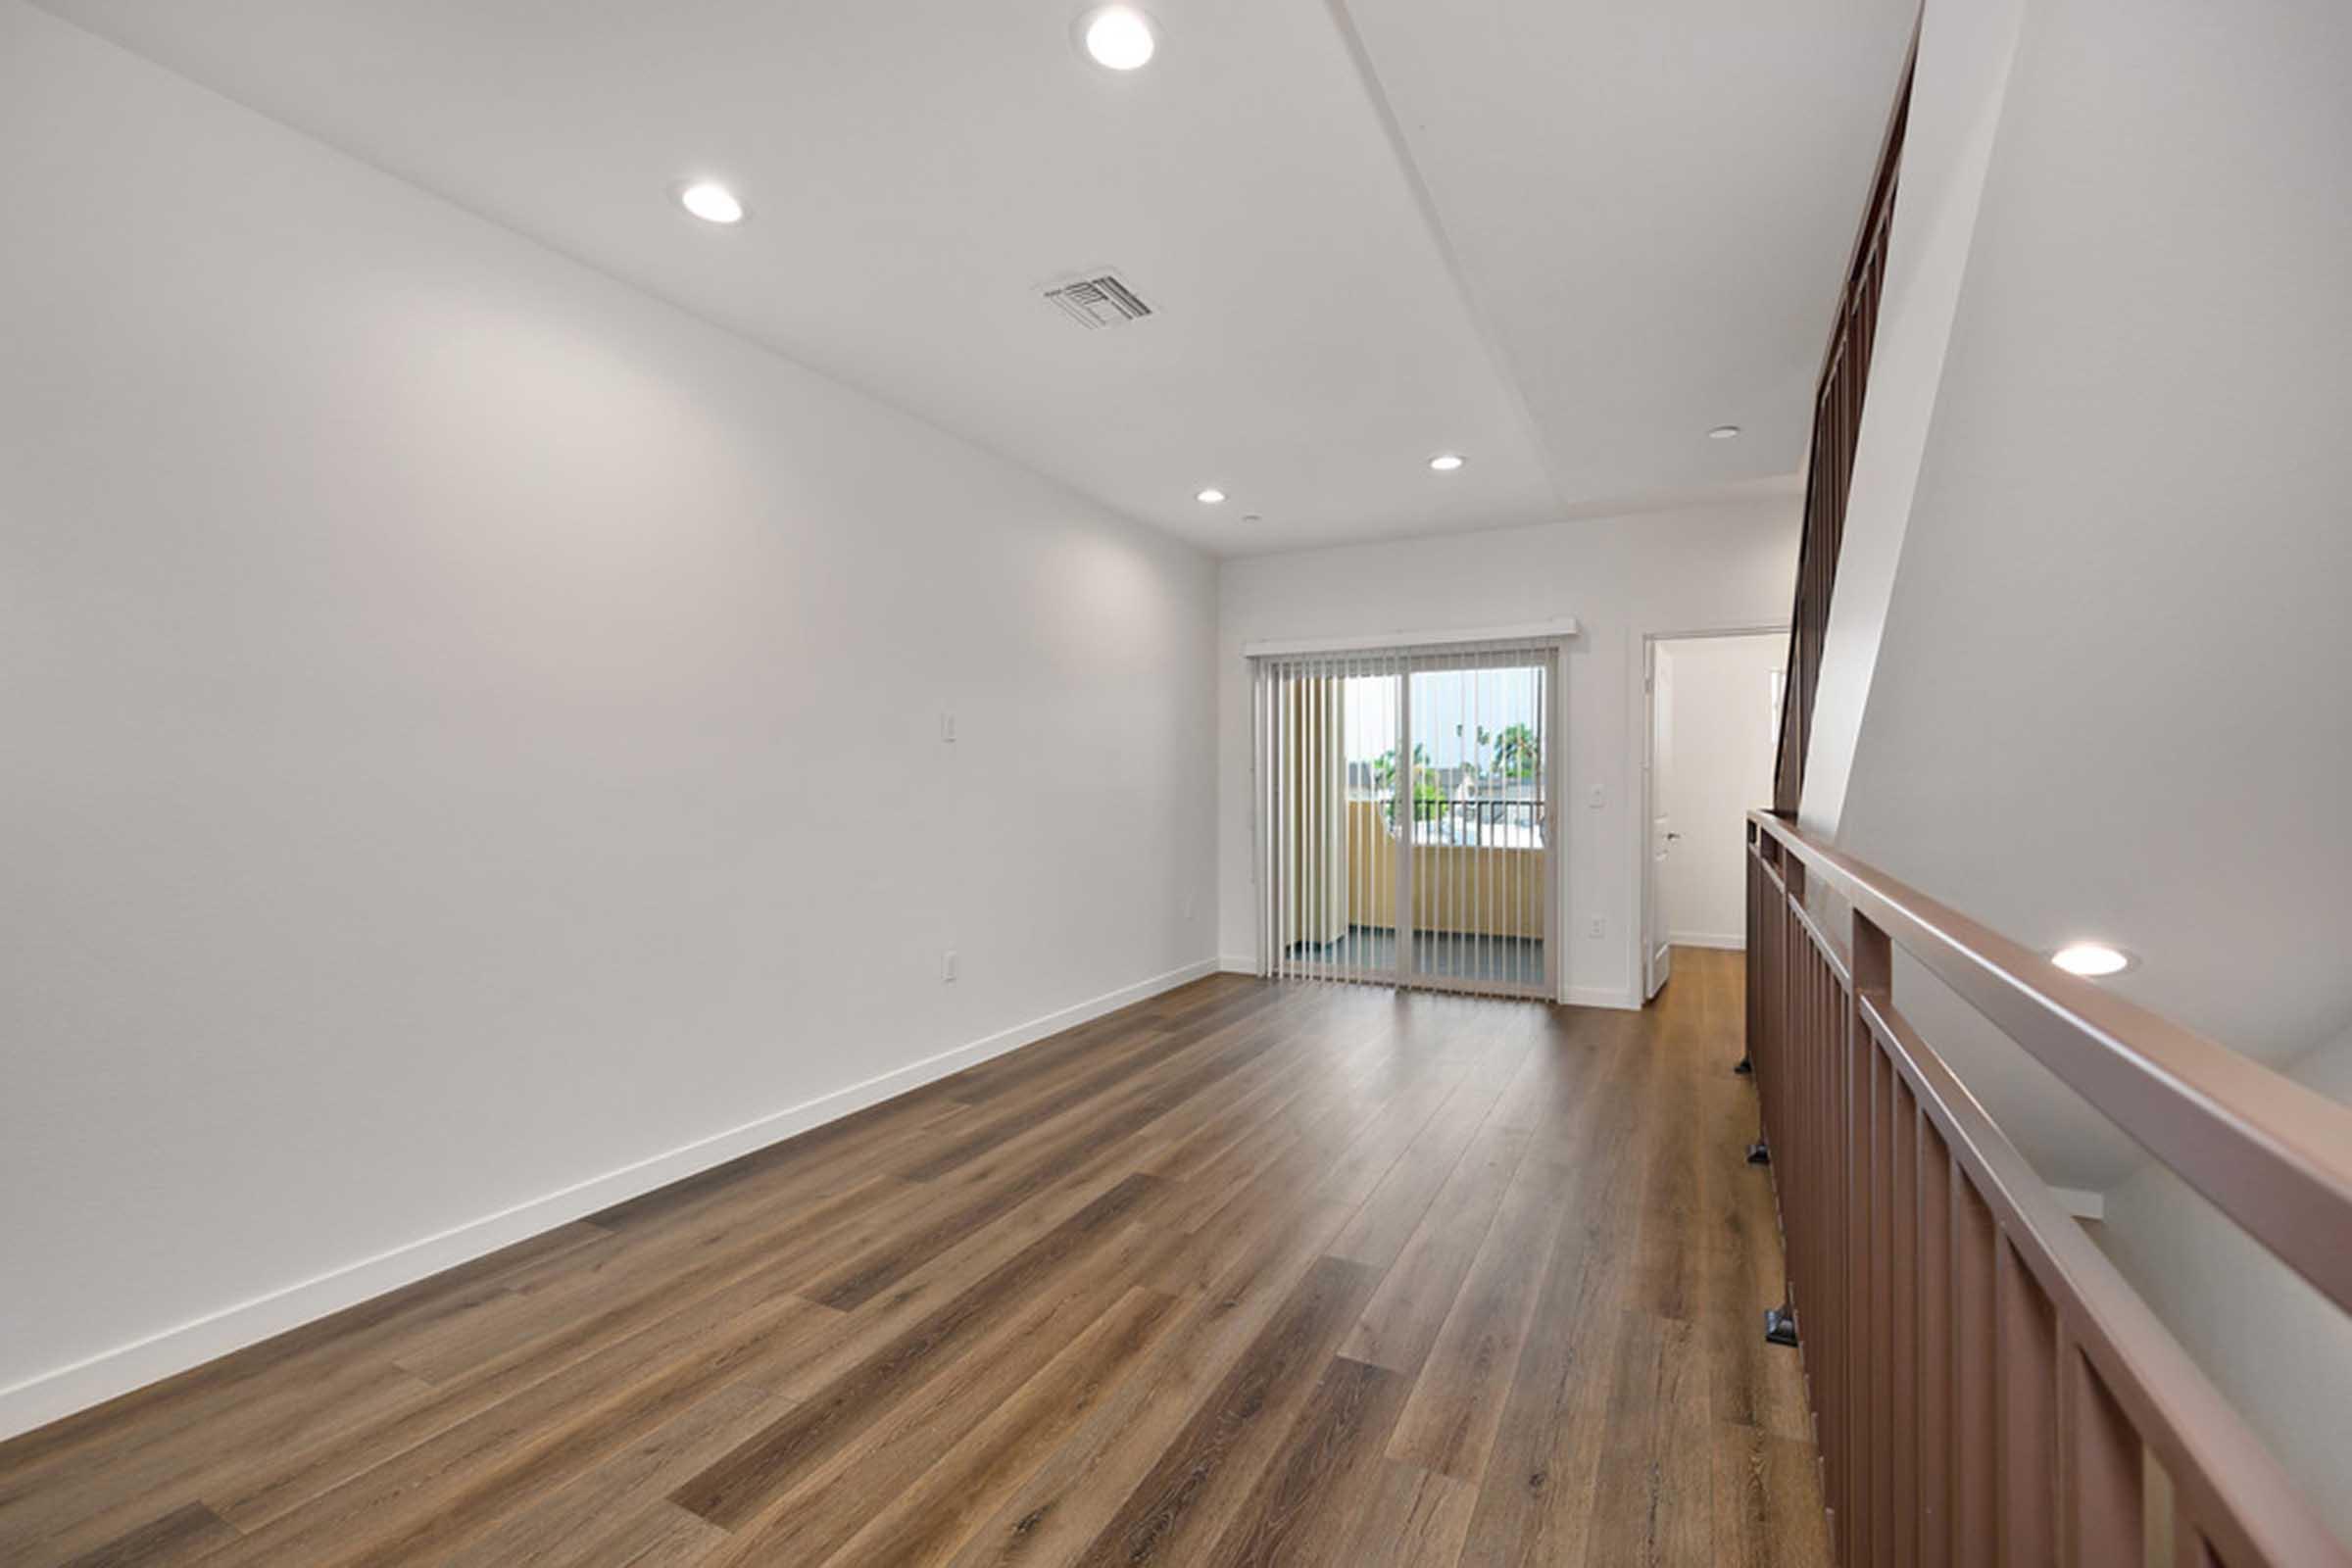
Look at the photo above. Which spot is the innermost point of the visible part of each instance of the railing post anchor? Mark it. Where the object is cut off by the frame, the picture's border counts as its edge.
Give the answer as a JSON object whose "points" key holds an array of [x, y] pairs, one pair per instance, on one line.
{"points": [[1780, 1325], [1760, 1152]]}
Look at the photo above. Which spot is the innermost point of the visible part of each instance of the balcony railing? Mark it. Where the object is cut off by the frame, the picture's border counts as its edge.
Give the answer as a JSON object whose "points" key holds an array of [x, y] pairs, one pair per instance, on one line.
{"points": [[1469, 821], [1987, 1388]]}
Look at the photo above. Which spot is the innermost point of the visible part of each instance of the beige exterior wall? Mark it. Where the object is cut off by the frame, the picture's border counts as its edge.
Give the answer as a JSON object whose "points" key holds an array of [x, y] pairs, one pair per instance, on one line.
{"points": [[1470, 891]]}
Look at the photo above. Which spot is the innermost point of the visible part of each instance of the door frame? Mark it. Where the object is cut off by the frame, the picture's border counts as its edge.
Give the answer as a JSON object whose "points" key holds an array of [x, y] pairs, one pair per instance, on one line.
{"points": [[1644, 702], [1550, 642], [1553, 654]]}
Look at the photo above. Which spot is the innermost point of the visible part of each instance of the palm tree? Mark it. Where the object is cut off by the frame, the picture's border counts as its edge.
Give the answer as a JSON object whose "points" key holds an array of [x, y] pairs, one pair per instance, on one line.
{"points": [[1517, 752], [1384, 779]]}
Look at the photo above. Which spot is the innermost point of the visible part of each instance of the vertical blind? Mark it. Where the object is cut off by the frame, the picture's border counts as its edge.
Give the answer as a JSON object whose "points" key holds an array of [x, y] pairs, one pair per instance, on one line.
{"points": [[1404, 817]]}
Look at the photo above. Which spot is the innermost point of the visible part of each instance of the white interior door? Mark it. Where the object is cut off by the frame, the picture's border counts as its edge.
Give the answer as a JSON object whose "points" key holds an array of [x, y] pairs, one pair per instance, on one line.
{"points": [[1657, 684]]}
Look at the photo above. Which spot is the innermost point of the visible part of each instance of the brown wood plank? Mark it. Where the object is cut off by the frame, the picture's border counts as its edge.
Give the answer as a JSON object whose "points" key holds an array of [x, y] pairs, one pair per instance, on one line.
{"points": [[1767, 1500], [736, 1487], [636, 1313], [422, 1503], [831, 1502], [1247, 1273], [1474, 1116], [1535, 1502], [288, 1370], [1298, 1513], [1449, 1422], [187, 1530], [591, 1518], [1402, 1320], [927, 1521], [1074, 1494], [1416, 1518], [1654, 1498], [1177, 1508]]}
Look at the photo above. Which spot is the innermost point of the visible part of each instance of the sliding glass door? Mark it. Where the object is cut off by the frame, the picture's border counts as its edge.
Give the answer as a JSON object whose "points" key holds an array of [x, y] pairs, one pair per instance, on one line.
{"points": [[1404, 817], [1328, 875], [1479, 855]]}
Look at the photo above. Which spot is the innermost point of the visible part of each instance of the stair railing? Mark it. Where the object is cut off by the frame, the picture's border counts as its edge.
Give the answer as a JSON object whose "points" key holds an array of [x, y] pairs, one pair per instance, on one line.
{"points": [[1987, 1388]]}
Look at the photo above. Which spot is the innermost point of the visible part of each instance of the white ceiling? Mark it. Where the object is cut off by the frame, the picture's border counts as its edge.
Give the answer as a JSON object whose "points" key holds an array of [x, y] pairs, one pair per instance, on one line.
{"points": [[1565, 239]]}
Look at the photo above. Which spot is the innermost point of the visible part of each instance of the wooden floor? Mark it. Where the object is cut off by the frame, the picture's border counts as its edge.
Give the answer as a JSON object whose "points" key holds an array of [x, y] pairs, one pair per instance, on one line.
{"points": [[1304, 1274]]}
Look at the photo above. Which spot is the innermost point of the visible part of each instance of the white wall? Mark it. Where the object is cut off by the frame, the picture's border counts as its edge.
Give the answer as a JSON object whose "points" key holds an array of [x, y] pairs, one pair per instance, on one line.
{"points": [[2280, 1349], [471, 729], [1958, 87], [2092, 711], [1620, 577], [2122, 575], [1714, 767]]}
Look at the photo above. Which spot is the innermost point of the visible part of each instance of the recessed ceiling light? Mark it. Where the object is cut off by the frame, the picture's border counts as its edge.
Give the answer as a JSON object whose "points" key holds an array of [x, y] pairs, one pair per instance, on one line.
{"points": [[712, 202], [1723, 432], [1119, 37], [2091, 959], [1448, 462], [1210, 496]]}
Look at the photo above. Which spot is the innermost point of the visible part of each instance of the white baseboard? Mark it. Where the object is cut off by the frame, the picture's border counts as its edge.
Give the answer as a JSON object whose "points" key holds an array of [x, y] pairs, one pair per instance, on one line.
{"points": [[43, 1399], [1233, 963], [1602, 997], [1736, 943]]}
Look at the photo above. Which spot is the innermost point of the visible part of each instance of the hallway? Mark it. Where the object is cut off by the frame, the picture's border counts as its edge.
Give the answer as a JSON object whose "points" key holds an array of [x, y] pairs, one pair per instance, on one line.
{"points": [[1303, 1274]]}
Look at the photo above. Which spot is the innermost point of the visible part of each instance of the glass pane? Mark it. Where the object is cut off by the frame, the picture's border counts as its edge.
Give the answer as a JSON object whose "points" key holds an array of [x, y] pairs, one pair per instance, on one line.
{"points": [[1479, 820]]}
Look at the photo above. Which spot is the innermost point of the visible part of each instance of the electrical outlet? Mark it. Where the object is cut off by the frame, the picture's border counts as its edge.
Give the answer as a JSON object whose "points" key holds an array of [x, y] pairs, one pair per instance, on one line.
{"points": [[1597, 799], [947, 967], [1596, 927]]}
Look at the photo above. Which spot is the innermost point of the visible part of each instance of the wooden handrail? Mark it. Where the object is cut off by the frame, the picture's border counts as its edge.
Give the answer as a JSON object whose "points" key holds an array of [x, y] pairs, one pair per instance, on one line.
{"points": [[2237, 1489], [1985, 1385], [1839, 395], [2273, 1155]]}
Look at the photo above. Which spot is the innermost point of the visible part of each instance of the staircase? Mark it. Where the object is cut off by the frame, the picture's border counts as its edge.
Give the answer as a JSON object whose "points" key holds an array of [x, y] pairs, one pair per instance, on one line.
{"points": [[1985, 1387]]}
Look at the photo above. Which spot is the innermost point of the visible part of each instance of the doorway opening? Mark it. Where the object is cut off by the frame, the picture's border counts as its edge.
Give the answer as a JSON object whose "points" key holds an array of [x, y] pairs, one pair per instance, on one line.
{"points": [[1711, 720], [1405, 816]]}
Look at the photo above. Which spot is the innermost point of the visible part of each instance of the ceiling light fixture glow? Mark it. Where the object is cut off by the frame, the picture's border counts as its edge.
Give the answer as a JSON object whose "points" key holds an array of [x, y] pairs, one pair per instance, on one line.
{"points": [[1448, 462], [2091, 959], [1119, 37], [1723, 432], [712, 202], [1210, 496]]}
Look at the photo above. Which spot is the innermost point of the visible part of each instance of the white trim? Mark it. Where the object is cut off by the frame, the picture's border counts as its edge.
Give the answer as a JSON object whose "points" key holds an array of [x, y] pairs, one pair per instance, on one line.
{"points": [[2080, 1203], [1537, 649], [1237, 964], [61, 1391], [1616, 996], [1736, 943], [1534, 631], [1642, 713]]}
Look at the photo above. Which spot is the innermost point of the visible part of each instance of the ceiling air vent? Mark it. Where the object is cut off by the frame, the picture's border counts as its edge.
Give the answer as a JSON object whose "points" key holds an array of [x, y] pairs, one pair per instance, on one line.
{"points": [[1098, 302]]}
